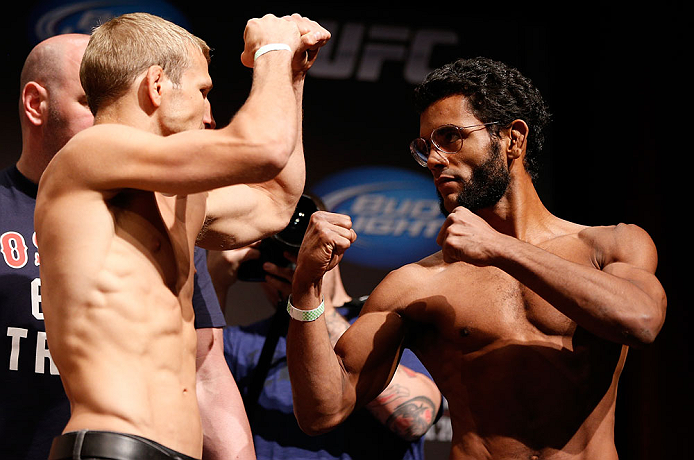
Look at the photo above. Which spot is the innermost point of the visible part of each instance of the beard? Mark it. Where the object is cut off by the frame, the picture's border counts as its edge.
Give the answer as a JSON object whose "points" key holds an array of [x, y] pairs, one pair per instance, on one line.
{"points": [[487, 185], [57, 130]]}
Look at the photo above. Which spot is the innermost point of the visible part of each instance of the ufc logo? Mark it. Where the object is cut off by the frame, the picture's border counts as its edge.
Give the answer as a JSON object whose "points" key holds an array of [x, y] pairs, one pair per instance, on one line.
{"points": [[358, 51]]}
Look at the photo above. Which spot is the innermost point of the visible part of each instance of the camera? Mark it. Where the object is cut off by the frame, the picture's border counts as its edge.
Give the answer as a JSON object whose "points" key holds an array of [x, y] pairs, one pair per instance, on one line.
{"points": [[272, 249]]}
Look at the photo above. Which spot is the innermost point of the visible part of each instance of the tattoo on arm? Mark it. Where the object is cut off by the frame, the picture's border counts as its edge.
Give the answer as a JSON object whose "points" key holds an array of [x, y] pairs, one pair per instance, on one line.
{"points": [[392, 392], [336, 324], [412, 419]]}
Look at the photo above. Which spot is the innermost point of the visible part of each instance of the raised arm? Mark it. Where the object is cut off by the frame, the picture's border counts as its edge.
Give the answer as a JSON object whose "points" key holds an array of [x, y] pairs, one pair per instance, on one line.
{"points": [[251, 212], [409, 404], [328, 384], [256, 145], [617, 296]]}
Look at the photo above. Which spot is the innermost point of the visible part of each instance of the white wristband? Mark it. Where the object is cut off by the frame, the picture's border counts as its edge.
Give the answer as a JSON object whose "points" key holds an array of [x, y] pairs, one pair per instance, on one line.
{"points": [[270, 47], [305, 315]]}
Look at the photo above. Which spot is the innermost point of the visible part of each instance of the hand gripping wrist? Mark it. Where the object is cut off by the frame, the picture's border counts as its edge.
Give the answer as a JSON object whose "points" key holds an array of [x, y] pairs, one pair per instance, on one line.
{"points": [[305, 315], [270, 47]]}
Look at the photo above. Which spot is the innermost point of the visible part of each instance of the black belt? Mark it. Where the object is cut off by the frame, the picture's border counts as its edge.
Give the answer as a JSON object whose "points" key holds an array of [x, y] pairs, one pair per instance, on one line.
{"points": [[109, 445]]}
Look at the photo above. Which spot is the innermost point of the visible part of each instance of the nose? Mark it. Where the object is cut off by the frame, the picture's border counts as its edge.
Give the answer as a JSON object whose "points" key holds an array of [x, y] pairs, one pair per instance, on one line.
{"points": [[436, 159], [208, 119]]}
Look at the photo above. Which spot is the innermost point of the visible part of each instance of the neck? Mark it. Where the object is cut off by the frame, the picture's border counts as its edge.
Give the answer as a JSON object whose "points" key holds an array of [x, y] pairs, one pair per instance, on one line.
{"points": [[126, 110], [29, 170], [123, 117], [33, 160], [520, 213]]}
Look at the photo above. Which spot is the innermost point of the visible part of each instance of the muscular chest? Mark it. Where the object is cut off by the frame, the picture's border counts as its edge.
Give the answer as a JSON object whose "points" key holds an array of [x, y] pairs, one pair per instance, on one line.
{"points": [[471, 307], [163, 229]]}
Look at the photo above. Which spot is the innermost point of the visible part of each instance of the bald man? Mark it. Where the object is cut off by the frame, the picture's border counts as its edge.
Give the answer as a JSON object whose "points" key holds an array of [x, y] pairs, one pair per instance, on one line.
{"points": [[33, 406]]}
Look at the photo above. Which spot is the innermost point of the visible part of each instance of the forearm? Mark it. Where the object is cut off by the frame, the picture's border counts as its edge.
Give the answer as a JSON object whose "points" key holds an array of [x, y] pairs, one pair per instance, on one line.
{"points": [[267, 118], [227, 434], [321, 392], [240, 215], [224, 419], [605, 302], [286, 188]]}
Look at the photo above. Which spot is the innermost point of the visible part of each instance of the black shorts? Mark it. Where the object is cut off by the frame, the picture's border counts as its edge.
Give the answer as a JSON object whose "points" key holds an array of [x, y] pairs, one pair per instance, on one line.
{"points": [[108, 445]]}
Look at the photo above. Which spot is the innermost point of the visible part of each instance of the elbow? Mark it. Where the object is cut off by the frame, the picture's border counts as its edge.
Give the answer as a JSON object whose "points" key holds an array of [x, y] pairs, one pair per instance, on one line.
{"points": [[314, 429], [644, 328], [267, 147], [266, 159], [275, 154], [285, 203], [315, 424], [267, 166], [278, 154], [284, 212]]}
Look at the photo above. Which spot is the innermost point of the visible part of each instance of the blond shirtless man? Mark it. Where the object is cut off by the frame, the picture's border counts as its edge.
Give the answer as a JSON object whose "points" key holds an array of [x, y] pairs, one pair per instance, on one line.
{"points": [[121, 206], [523, 319]]}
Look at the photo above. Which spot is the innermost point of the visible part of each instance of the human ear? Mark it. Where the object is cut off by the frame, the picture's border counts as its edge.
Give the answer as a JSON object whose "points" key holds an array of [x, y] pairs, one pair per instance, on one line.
{"points": [[154, 79], [518, 136], [34, 100]]}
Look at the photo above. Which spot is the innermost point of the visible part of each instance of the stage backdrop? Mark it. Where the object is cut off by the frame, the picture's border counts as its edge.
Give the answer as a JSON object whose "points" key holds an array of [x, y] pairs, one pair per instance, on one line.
{"points": [[605, 72]]}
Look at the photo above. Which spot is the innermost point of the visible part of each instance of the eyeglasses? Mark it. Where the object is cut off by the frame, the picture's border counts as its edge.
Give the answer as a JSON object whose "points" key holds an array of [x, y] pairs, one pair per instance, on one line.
{"points": [[445, 139]]}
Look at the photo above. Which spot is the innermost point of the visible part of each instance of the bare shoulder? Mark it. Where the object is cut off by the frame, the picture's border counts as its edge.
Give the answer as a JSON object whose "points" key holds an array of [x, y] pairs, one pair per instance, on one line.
{"points": [[110, 139], [97, 157], [102, 135], [88, 146], [621, 243], [400, 287]]}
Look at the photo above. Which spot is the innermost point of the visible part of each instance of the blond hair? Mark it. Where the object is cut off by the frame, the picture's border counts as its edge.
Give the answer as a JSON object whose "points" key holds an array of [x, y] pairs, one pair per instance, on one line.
{"points": [[122, 48]]}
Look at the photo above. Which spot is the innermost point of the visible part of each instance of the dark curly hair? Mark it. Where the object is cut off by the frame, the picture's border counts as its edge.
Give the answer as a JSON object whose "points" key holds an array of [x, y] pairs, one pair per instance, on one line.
{"points": [[495, 92]]}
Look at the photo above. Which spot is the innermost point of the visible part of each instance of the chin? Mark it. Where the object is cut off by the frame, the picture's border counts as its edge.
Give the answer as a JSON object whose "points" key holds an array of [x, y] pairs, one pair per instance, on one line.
{"points": [[446, 206]]}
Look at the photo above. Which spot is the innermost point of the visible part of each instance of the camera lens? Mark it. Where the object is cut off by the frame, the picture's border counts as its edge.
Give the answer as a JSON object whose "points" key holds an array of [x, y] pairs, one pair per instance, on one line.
{"points": [[272, 249], [293, 233]]}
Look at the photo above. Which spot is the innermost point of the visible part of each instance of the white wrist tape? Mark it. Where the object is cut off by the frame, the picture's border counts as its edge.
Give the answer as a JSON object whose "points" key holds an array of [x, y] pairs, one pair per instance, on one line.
{"points": [[270, 47], [305, 315]]}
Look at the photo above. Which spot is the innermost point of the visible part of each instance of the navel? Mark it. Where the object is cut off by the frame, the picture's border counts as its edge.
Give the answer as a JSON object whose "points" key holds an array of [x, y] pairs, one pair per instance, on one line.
{"points": [[464, 332]]}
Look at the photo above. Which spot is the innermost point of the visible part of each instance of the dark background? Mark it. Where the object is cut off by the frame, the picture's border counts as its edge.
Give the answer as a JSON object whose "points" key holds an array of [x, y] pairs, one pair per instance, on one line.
{"points": [[613, 77]]}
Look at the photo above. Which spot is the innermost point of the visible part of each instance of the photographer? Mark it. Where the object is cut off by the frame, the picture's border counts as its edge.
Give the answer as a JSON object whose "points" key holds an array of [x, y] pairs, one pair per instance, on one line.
{"points": [[391, 427]]}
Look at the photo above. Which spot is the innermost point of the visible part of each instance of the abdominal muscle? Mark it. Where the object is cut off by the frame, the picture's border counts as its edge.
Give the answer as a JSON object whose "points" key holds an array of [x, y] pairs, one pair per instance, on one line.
{"points": [[125, 347]]}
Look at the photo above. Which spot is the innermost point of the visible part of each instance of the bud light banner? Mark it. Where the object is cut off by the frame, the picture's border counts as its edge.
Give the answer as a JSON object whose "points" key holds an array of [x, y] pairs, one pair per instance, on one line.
{"points": [[395, 213]]}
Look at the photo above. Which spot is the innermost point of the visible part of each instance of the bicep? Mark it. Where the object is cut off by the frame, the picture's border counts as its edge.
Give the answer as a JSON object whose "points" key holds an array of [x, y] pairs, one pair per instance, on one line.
{"points": [[110, 157], [379, 331], [369, 352], [241, 214]]}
